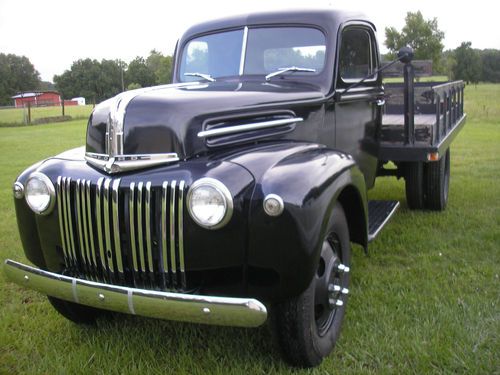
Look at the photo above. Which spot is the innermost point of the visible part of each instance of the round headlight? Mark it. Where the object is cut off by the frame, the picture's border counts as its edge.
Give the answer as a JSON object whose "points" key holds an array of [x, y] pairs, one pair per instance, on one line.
{"points": [[39, 193], [210, 203]]}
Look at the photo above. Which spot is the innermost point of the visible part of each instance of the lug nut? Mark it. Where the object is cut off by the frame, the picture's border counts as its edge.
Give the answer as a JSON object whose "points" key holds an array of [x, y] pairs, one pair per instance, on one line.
{"points": [[334, 289], [335, 303], [343, 268]]}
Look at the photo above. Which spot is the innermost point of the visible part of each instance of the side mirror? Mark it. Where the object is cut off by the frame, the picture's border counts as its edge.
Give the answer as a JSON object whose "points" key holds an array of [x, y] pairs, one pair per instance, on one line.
{"points": [[405, 55]]}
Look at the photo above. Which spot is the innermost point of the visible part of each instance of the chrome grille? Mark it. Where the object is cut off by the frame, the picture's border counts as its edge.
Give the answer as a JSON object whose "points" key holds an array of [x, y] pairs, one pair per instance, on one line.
{"points": [[123, 234]]}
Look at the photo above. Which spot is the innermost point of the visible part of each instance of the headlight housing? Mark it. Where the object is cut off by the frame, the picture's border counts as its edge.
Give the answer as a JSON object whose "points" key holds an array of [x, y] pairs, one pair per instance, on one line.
{"points": [[210, 203], [40, 193]]}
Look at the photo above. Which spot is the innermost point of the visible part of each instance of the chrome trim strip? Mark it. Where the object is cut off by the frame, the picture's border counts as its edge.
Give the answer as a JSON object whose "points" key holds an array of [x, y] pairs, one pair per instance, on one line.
{"points": [[90, 219], [60, 201], [107, 226], [124, 163], [164, 192], [243, 50], [116, 224], [139, 225], [131, 214], [391, 214], [180, 225], [242, 312], [248, 127], [173, 264], [79, 227], [100, 236], [147, 206]]}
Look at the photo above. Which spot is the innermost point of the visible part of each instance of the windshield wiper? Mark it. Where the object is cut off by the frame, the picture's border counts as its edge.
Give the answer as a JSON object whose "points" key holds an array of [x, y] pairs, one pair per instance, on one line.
{"points": [[289, 69], [208, 77]]}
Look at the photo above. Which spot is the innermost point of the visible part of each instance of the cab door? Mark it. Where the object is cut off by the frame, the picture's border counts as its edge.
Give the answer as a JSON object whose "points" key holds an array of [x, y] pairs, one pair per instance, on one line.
{"points": [[358, 110]]}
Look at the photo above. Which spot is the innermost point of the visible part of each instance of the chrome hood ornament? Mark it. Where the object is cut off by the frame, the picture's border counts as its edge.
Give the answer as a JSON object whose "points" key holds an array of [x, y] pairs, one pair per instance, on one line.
{"points": [[114, 160]]}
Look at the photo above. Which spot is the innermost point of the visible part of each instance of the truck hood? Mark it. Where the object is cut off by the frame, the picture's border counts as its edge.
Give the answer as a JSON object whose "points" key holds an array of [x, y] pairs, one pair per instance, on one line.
{"points": [[164, 122]]}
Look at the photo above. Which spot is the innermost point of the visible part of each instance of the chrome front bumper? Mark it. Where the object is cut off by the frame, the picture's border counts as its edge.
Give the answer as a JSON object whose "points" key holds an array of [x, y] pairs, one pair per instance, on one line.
{"points": [[240, 312]]}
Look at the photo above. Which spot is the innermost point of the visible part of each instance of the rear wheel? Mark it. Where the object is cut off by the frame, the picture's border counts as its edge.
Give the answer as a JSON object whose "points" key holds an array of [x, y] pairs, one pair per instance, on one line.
{"points": [[77, 313], [414, 184], [437, 183], [308, 326]]}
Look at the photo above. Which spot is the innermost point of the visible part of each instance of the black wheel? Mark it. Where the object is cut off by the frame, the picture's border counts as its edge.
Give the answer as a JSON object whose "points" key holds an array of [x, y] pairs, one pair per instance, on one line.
{"points": [[437, 183], [414, 184], [308, 326], [79, 314]]}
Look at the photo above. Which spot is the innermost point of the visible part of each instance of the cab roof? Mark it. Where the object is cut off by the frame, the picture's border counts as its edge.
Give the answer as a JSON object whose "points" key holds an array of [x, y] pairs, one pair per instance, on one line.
{"points": [[328, 20]]}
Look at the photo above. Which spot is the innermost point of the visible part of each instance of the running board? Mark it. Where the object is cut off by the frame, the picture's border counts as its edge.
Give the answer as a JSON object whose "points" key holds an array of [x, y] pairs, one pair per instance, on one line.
{"points": [[379, 214]]}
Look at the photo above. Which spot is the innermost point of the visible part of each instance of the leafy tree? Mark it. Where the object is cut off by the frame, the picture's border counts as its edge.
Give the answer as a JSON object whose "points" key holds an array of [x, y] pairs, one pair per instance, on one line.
{"points": [[17, 74], [490, 59], [94, 80], [422, 35], [139, 72], [133, 86], [161, 66], [468, 63]]}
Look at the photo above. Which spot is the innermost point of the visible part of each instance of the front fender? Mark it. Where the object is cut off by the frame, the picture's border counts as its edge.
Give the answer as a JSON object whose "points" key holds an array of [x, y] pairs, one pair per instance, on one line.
{"points": [[283, 251]]}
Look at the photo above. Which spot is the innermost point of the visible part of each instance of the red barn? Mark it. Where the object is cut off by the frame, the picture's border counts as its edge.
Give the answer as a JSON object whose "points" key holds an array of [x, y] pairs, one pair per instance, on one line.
{"points": [[37, 99]]}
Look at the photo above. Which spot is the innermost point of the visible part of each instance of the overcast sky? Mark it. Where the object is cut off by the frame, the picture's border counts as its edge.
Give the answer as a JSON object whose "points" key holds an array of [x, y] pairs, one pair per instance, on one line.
{"points": [[54, 33]]}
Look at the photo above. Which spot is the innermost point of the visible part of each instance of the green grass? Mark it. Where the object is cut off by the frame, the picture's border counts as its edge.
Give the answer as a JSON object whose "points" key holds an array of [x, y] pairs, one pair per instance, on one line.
{"points": [[426, 299], [18, 116]]}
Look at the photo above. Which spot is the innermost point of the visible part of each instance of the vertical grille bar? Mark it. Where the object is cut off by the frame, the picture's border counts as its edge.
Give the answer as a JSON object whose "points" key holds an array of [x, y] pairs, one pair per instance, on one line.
{"points": [[100, 237], [60, 202], [79, 227], [164, 249], [90, 228], [139, 225], [116, 225], [107, 226], [147, 213], [173, 264], [180, 231], [83, 218], [69, 219], [131, 212]]}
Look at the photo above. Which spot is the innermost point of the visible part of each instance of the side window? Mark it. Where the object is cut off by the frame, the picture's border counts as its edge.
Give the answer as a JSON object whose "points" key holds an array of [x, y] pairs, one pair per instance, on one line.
{"points": [[356, 59]]}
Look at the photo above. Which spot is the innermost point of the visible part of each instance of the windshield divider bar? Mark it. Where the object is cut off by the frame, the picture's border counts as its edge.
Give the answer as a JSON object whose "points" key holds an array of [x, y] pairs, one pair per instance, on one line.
{"points": [[243, 50]]}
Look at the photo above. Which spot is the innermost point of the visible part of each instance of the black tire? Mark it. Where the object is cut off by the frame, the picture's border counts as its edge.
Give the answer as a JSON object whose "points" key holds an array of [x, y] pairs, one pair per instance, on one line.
{"points": [[307, 326], [437, 183], [414, 184], [79, 314]]}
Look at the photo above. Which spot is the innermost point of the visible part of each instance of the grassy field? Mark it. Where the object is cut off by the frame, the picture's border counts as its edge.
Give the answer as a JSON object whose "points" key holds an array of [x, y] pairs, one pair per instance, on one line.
{"points": [[426, 299], [18, 116]]}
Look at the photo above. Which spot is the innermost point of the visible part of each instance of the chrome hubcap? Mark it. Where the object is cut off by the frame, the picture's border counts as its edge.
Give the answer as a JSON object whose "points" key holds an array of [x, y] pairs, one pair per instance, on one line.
{"points": [[330, 285]]}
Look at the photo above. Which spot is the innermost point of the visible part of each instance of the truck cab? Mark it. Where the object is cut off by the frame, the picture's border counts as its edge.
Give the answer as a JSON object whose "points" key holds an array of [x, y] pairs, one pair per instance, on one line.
{"points": [[231, 195]]}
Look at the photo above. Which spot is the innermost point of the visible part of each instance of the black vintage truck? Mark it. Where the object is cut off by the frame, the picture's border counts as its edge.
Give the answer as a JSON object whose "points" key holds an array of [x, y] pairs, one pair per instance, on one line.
{"points": [[231, 196]]}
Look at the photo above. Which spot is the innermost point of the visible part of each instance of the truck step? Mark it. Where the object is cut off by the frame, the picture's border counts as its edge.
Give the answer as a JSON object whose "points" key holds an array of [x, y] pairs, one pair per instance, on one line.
{"points": [[379, 214]]}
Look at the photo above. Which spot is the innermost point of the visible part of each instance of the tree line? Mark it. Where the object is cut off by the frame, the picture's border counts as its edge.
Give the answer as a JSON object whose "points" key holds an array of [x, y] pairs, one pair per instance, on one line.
{"points": [[99, 80], [463, 63], [94, 80]]}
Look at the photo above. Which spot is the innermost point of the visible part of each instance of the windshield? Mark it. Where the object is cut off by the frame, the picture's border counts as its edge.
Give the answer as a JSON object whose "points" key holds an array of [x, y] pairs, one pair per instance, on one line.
{"points": [[267, 50]]}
